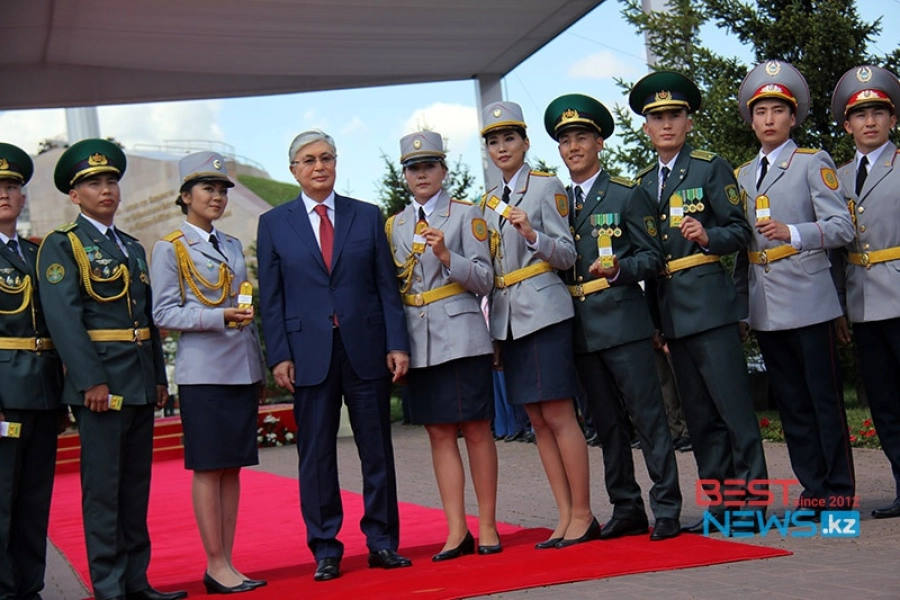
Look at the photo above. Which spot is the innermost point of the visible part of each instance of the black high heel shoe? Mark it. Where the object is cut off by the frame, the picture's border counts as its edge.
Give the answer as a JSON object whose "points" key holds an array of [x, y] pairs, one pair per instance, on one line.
{"points": [[467, 546], [546, 544], [214, 587], [592, 533], [256, 583]]}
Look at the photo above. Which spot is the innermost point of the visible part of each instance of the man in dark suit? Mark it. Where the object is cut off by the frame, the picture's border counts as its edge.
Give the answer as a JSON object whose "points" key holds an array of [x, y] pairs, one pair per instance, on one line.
{"points": [[696, 306], [96, 295], [325, 268], [29, 397], [615, 226]]}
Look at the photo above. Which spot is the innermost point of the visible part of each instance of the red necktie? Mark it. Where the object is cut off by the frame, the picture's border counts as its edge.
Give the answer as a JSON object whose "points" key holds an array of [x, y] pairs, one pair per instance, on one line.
{"points": [[326, 234]]}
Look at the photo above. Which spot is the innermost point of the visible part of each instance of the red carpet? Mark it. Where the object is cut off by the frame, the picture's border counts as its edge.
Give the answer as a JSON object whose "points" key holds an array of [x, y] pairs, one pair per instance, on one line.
{"points": [[271, 544]]}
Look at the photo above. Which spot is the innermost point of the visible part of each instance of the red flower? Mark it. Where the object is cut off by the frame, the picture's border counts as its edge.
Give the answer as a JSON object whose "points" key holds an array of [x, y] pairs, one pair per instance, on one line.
{"points": [[867, 423], [852, 438], [869, 433], [764, 422]]}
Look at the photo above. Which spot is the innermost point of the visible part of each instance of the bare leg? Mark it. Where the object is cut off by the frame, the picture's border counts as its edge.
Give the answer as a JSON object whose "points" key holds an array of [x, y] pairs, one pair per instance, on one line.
{"points": [[483, 466], [206, 492], [230, 498], [552, 461], [448, 471], [559, 416]]}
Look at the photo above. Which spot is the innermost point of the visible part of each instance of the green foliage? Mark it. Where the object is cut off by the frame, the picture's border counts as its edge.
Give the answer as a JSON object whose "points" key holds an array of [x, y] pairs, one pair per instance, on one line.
{"points": [[539, 164], [273, 192]]}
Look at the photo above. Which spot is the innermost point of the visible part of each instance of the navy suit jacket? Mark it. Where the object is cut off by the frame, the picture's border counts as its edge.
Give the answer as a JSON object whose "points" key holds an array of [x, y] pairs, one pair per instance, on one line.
{"points": [[298, 295]]}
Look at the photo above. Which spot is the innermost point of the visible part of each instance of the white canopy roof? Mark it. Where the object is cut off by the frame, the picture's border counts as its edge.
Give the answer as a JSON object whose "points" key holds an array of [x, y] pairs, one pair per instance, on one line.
{"points": [[58, 53]]}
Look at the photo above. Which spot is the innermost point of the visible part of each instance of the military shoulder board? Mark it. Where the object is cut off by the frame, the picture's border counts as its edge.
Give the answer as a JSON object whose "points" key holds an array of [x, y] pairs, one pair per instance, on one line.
{"points": [[643, 172], [806, 150], [623, 181], [67, 227], [458, 201], [171, 237], [542, 174], [703, 155]]}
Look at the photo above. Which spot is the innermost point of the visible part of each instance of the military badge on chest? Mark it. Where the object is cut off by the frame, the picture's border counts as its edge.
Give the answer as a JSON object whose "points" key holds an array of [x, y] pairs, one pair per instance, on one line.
{"points": [[100, 264], [605, 226]]}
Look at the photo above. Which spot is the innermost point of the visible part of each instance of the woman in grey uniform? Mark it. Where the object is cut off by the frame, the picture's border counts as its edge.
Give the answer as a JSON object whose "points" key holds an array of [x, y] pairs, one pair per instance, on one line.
{"points": [[441, 252], [197, 274], [531, 316]]}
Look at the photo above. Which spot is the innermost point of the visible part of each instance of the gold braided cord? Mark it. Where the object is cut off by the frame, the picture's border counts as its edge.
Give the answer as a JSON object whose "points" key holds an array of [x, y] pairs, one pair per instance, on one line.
{"points": [[494, 242], [23, 288], [87, 276], [406, 268], [188, 272]]}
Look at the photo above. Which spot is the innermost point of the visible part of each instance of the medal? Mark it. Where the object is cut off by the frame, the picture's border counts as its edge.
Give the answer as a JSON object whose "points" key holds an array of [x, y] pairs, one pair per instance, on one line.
{"points": [[604, 249], [502, 208], [418, 246]]}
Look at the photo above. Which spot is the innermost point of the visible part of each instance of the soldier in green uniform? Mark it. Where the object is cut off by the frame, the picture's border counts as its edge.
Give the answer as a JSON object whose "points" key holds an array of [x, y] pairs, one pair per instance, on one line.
{"points": [[697, 308], [96, 292], [614, 224], [29, 397]]}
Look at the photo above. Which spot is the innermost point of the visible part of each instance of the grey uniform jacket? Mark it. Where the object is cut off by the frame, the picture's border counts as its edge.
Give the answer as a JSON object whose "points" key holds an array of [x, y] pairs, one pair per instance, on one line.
{"points": [[209, 352], [803, 191], [453, 327], [542, 300], [872, 294]]}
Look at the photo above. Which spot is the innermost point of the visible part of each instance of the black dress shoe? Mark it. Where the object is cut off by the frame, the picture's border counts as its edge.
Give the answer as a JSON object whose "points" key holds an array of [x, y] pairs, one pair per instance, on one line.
{"points": [[214, 587], [546, 544], [327, 569], [512, 437], [388, 559], [527, 437], [467, 546], [592, 533], [888, 512], [151, 594], [683, 444], [616, 528], [665, 528], [492, 549], [635, 444], [256, 583]]}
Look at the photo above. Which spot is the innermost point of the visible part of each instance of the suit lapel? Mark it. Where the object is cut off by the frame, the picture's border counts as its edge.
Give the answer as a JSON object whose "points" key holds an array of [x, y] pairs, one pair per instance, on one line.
{"points": [[298, 219], [676, 177], [101, 240], [344, 213], [593, 198], [778, 170], [441, 213], [879, 170]]}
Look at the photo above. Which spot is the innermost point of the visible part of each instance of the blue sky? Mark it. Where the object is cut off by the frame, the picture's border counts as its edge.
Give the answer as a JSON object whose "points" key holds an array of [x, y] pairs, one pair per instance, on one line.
{"points": [[367, 122]]}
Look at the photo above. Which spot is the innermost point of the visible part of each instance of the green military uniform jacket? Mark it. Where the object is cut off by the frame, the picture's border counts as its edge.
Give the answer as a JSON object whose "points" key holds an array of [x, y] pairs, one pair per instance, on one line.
{"points": [[618, 315], [702, 297], [31, 380], [131, 370]]}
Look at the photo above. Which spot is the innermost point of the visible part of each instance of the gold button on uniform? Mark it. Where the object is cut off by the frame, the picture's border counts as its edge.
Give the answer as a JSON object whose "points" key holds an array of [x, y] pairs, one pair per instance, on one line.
{"points": [[662, 217], [577, 237], [862, 209], [862, 227], [580, 278], [665, 236], [865, 246]]}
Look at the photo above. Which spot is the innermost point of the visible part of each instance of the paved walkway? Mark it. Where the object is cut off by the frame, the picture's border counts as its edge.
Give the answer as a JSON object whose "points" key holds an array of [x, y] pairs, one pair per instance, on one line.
{"points": [[864, 567]]}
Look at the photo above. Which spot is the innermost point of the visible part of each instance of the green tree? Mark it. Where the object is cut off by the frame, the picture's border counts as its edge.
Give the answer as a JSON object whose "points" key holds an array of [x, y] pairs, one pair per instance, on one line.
{"points": [[822, 38]]}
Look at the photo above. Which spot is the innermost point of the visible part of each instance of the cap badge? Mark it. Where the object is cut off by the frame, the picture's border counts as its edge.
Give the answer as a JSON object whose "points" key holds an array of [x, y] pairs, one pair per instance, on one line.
{"points": [[864, 74], [663, 95], [569, 114], [4, 165], [97, 159], [497, 112], [417, 144], [866, 95], [217, 165], [773, 67]]}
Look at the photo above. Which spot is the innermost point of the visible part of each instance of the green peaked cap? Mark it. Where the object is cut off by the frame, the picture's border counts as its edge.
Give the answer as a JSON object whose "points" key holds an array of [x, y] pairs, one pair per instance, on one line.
{"points": [[577, 110], [664, 90], [86, 158], [15, 163]]}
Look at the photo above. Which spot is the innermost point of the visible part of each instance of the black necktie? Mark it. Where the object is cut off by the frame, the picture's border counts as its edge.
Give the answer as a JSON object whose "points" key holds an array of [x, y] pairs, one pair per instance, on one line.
{"points": [[861, 173], [422, 215], [763, 169], [215, 244], [665, 175], [13, 246], [506, 192], [579, 197]]}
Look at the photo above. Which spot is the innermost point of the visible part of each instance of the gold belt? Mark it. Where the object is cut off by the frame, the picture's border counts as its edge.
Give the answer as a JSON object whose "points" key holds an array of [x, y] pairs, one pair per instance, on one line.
{"points": [[770, 255], [35, 344], [585, 289], [867, 259], [694, 260], [120, 335], [438, 293], [522, 274]]}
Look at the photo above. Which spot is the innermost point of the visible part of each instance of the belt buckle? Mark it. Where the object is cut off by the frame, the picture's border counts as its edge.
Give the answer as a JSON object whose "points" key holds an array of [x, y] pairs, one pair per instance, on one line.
{"points": [[137, 336], [579, 291], [500, 282], [763, 257], [418, 300], [865, 260]]}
